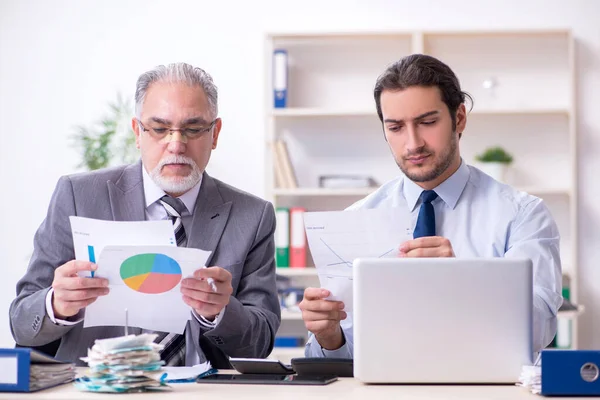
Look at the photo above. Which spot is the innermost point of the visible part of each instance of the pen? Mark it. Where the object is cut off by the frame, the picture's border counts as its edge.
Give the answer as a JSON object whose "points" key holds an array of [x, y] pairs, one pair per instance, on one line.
{"points": [[164, 378], [126, 324], [211, 371], [92, 257], [211, 282]]}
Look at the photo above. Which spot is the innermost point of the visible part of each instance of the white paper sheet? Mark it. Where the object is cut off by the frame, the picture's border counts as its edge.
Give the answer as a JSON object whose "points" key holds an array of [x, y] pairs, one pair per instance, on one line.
{"points": [[145, 280], [337, 238], [90, 236], [170, 374]]}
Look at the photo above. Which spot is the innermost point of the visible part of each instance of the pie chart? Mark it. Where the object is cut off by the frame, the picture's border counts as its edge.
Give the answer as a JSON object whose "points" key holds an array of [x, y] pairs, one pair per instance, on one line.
{"points": [[150, 273]]}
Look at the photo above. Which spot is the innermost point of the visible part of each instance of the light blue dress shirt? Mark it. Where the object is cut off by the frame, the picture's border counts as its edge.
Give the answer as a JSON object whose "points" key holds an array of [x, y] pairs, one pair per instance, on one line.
{"points": [[482, 218]]}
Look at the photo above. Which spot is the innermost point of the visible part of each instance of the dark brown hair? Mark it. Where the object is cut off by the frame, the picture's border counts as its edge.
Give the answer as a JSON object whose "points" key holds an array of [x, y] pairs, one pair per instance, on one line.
{"points": [[422, 70]]}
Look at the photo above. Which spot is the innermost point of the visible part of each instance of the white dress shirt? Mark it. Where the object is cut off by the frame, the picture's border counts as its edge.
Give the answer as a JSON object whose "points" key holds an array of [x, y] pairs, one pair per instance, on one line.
{"points": [[482, 218], [154, 211]]}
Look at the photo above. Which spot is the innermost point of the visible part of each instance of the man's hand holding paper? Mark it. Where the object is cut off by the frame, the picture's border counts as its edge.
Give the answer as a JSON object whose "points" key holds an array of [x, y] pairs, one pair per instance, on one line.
{"points": [[322, 317], [335, 240], [72, 292], [206, 299], [426, 246]]}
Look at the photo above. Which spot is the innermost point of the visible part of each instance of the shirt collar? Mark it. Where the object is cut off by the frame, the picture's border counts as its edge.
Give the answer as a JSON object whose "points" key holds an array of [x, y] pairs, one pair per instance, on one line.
{"points": [[449, 190], [153, 193]]}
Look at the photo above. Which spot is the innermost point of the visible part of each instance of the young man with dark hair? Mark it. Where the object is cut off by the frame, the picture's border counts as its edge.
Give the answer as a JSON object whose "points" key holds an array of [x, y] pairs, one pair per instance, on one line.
{"points": [[422, 109]]}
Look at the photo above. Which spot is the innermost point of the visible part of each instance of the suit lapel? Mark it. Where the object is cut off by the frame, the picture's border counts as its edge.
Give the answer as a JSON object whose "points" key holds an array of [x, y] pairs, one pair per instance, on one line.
{"points": [[210, 217], [127, 195]]}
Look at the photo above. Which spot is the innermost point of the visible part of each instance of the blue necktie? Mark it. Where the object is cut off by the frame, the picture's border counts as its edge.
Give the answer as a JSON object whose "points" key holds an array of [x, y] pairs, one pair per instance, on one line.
{"points": [[426, 220]]}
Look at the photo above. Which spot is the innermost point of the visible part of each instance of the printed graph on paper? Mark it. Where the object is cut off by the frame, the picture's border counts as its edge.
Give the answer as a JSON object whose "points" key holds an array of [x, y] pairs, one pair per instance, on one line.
{"points": [[337, 238]]}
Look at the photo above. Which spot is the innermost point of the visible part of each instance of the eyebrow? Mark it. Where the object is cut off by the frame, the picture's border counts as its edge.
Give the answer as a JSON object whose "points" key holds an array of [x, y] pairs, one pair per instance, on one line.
{"points": [[189, 121], [195, 120], [417, 118]]}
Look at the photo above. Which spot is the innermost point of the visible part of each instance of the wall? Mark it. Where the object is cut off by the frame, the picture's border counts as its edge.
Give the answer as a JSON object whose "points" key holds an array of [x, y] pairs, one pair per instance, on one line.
{"points": [[62, 61]]}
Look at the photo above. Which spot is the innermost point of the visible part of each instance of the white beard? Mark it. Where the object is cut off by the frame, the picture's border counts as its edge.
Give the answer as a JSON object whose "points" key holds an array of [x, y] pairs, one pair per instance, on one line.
{"points": [[176, 184]]}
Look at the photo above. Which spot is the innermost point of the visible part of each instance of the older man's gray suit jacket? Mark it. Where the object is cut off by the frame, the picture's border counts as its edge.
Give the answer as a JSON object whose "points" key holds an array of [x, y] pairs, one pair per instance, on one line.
{"points": [[235, 226]]}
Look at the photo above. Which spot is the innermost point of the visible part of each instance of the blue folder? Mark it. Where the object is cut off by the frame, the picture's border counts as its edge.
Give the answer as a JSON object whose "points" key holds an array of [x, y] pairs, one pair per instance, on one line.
{"points": [[280, 78], [570, 372], [15, 367]]}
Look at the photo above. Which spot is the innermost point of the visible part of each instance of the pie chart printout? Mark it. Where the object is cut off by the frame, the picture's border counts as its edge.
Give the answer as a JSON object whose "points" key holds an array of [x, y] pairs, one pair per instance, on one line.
{"points": [[150, 273]]}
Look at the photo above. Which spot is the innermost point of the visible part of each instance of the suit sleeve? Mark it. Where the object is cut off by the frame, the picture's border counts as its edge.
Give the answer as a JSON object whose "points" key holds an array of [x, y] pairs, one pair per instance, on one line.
{"points": [[53, 246], [247, 327]]}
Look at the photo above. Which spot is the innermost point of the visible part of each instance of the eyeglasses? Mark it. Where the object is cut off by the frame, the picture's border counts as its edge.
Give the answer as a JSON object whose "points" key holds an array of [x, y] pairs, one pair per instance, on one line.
{"points": [[190, 132]]}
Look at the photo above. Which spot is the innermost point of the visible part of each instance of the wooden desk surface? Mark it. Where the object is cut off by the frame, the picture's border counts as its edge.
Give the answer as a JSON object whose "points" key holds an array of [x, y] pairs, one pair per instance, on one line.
{"points": [[347, 388]]}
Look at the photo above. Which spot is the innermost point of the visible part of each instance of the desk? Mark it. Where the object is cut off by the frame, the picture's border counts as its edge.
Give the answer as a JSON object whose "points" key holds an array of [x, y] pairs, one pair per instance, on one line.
{"points": [[346, 388]]}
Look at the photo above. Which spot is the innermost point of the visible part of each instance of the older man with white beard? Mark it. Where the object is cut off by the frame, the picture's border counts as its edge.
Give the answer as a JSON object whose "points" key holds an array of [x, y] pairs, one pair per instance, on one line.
{"points": [[176, 128]]}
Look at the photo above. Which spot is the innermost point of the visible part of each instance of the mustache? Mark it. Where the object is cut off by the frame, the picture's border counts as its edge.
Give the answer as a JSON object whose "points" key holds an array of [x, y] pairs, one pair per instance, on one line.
{"points": [[175, 159], [421, 151]]}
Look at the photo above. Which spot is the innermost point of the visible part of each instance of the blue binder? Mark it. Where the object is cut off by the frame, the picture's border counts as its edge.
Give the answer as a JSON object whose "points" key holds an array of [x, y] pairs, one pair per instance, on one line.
{"points": [[570, 372], [15, 368], [280, 78]]}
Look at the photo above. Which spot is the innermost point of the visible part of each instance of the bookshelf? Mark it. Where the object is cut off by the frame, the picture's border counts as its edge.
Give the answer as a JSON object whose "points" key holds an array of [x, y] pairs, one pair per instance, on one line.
{"points": [[333, 112], [523, 84]]}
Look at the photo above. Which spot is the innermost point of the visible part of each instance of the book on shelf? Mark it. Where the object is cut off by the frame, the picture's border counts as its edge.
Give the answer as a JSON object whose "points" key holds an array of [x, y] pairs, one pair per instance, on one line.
{"points": [[284, 170], [279, 177]]}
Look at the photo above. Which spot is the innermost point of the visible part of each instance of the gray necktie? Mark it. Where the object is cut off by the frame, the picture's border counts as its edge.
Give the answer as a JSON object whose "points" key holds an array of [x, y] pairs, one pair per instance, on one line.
{"points": [[174, 351], [175, 208]]}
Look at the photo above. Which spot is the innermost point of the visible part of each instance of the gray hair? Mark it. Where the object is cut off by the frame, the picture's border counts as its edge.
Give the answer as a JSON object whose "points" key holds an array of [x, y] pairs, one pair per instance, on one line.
{"points": [[176, 73]]}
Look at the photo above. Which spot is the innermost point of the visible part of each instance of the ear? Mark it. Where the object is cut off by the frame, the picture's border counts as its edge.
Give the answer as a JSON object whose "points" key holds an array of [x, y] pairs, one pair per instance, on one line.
{"points": [[461, 119], [136, 130], [216, 131]]}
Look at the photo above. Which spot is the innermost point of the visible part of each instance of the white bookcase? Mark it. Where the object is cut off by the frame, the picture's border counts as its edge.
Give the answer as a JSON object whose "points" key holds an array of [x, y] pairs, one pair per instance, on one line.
{"points": [[523, 85]]}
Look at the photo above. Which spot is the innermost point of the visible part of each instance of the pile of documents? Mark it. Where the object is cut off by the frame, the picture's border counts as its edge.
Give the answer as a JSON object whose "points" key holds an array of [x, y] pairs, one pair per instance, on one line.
{"points": [[46, 372], [123, 364], [531, 378]]}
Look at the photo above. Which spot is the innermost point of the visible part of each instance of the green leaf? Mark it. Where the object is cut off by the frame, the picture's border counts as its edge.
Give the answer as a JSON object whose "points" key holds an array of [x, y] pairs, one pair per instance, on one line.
{"points": [[495, 154], [109, 139]]}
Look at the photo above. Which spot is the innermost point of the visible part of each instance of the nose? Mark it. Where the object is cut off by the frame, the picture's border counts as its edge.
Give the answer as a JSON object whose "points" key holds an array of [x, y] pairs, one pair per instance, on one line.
{"points": [[177, 143], [414, 139]]}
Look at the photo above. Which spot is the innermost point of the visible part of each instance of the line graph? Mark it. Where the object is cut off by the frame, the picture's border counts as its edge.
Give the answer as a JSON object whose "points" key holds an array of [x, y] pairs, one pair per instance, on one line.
{"points": [[337, 238], [346, 262]]}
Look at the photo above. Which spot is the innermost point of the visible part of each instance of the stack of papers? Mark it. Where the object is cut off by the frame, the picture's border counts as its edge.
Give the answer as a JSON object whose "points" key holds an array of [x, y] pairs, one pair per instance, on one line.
{"points": [[124, 364], [46, 372], [531, 378]]}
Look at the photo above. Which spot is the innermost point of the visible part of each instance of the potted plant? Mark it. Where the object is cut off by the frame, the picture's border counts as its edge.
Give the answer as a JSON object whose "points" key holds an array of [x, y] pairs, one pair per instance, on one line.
{"points": [[109, 141], [494, 162]]}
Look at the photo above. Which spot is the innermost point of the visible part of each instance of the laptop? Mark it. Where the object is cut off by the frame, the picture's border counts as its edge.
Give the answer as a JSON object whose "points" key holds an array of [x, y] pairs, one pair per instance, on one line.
{"points": [[442, 320]]}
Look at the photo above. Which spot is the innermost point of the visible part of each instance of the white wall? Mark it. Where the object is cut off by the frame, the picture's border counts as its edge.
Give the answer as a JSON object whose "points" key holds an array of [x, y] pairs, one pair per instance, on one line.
{"points": [[62, 61]]}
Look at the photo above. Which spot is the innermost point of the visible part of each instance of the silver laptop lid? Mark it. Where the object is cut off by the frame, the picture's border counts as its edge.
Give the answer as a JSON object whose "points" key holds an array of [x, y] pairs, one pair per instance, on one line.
{"points": [[441, 320]]}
